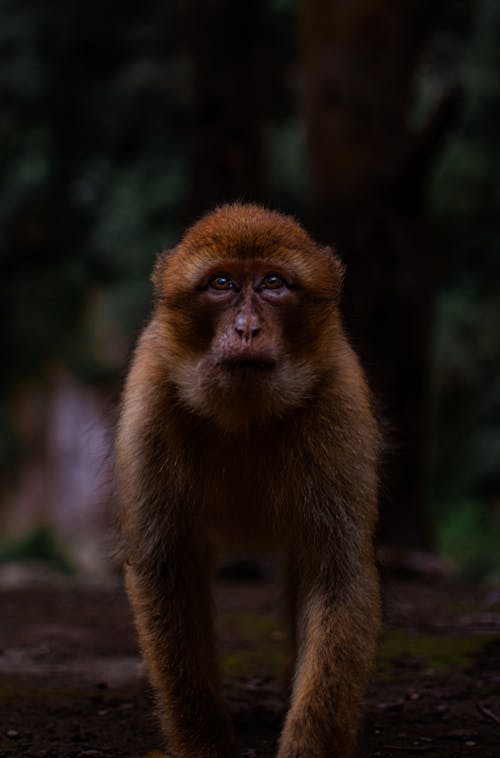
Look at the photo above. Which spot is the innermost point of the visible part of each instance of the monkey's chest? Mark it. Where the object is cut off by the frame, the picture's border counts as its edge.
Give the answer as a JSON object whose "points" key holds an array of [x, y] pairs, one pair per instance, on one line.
{"points": [[239, 510]]}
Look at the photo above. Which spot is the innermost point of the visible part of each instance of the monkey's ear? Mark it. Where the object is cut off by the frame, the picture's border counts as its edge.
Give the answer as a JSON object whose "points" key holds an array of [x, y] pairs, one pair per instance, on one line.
{"points": [[158, 272], [337, 268]]}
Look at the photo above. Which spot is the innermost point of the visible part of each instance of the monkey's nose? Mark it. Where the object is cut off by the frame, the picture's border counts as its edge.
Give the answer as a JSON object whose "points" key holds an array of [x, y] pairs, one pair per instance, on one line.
{"points": [[246, 328]]}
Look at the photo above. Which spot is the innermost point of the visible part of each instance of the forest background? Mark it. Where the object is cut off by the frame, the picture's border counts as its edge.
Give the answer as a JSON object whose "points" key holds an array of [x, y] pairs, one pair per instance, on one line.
{"points": [[375, 122]]}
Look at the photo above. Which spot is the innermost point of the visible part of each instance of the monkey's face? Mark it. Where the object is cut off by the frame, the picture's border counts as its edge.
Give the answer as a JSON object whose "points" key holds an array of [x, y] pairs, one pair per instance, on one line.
{"points": [[250, 311]]}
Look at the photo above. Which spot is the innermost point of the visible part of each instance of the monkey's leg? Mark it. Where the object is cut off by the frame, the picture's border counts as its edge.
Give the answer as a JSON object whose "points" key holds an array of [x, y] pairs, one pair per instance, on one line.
{"points": [[173, 616], [338, 625]]}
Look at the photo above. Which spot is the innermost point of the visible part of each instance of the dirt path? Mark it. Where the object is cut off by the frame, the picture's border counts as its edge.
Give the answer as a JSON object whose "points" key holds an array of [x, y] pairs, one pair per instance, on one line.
{"points": [[72, 684]]}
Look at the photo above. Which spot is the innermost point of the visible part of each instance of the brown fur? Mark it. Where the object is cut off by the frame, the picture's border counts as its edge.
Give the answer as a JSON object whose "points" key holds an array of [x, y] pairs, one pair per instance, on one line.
{"points": [[279, 452]]}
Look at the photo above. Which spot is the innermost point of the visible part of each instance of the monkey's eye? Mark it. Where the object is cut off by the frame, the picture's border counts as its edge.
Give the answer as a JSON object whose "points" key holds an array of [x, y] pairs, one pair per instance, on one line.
{"points": [[221, 282], [272, 282]]}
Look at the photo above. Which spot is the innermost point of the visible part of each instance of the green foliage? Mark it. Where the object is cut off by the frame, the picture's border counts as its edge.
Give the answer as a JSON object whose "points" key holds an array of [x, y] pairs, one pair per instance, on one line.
{"points": [[470, 537], [92, 174], [466, 428], [464, 478], [39, 544], [92, 147], [285, 164]]}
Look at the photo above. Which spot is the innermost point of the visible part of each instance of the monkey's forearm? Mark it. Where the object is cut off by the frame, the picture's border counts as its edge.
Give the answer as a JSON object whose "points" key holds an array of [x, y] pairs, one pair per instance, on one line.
{"points": [[175, 632], [337, 648]]}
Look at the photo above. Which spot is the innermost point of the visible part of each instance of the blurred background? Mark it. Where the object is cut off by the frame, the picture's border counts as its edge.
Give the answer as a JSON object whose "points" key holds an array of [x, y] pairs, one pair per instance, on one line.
{"points": [[375, 122]]}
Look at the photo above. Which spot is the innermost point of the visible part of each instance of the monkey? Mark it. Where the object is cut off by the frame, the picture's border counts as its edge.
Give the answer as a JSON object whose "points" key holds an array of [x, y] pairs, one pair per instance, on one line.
{"points": [[246, 420]]}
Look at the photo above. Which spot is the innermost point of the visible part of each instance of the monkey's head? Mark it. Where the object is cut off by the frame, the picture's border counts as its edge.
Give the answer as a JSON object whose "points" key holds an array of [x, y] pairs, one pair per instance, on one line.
{"points": [[247, 306]]}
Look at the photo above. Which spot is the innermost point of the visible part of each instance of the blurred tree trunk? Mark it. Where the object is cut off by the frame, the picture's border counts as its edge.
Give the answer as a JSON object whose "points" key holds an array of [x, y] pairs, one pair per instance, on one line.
{"points": [[226, 109], [367, 171]]}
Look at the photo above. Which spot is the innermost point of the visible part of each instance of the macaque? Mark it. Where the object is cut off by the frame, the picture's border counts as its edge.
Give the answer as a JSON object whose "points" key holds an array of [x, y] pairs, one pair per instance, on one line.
{"points": [[246, 420]]}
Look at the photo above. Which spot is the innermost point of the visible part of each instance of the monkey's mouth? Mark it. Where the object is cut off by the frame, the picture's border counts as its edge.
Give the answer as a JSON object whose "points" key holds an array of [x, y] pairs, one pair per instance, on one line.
{"points": [[248, 369]]}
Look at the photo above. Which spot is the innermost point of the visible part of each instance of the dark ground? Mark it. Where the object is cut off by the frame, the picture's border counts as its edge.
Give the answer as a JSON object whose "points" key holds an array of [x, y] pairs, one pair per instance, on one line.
{"points": [[72, 684]]}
